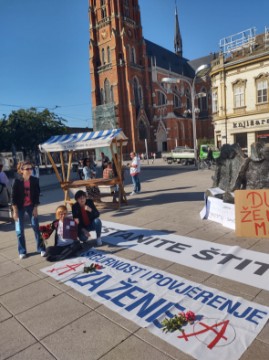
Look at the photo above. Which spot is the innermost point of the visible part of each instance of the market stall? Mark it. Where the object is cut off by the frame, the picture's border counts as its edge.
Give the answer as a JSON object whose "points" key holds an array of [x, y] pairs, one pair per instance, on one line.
{"points": [[114, 139]]}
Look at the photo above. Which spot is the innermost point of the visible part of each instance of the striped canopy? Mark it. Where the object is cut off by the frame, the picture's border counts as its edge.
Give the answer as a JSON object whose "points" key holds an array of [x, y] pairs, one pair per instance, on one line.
{"points": [[82, 141]]}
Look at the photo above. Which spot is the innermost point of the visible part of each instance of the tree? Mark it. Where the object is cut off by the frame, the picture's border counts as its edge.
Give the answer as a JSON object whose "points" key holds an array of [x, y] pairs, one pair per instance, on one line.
{"points": [[26, 129]]}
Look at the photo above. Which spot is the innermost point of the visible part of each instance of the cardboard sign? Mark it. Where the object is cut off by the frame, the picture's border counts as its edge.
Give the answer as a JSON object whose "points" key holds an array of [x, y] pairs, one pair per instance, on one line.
{"points": [[252, 213], [70, 229]]}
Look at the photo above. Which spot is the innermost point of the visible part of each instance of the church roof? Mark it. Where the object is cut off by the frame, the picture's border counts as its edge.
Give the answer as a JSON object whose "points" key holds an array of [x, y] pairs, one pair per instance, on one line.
{"points": [[168, 60]]}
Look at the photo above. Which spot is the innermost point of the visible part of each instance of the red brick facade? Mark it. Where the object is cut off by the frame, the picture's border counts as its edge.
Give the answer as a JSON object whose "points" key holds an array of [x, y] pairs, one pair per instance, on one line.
{"points": [[124, 77]]}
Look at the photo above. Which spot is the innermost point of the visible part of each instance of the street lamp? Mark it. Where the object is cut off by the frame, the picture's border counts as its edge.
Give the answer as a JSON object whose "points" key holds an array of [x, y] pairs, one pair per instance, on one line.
{"points": [[200, 72]]}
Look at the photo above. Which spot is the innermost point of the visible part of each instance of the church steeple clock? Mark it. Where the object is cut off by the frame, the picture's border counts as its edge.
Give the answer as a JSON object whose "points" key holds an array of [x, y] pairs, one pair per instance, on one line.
{"points": [[118, 69]]}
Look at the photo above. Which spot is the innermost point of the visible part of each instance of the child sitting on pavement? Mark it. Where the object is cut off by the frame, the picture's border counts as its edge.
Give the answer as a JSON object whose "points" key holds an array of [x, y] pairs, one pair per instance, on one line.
{"points": [[66, 244], [86, 216]]}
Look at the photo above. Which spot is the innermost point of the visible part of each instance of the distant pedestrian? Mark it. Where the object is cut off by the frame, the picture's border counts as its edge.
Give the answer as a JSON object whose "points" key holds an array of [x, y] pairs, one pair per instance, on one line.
{"points": [[25, 199], [35, 172], [153, 157], [104, 160], [134, 172], [108, 172]]}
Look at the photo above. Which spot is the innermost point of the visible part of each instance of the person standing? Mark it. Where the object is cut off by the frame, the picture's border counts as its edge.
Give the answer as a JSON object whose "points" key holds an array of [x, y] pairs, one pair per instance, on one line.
{"points": [[134, 172], [104, 160], [88, 169], [25, 199]]}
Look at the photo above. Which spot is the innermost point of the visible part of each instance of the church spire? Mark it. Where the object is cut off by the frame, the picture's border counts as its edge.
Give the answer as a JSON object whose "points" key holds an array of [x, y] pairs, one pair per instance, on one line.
{"points": [[177, 39]]}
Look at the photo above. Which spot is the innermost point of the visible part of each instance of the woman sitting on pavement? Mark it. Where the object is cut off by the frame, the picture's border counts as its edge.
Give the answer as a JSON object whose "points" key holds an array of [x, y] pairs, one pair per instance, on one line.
{"points": [[86, 216], [66, 244]]}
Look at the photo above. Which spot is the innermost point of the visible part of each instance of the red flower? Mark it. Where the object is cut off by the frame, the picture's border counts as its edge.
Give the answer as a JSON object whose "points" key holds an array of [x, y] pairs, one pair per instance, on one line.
{"points": [[45, 231], [190, 316], [98, 267]]}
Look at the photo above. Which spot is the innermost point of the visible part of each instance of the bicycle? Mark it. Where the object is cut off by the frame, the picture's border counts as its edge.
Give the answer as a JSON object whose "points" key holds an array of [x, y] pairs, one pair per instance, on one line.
{"points": [[206, 164]]}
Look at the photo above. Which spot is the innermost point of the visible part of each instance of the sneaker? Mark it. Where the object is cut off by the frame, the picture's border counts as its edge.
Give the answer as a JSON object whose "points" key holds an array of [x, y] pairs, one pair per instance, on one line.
{"points": [[22, 256], [43, 253], [138, 192], [132, 193], [99, 242]]}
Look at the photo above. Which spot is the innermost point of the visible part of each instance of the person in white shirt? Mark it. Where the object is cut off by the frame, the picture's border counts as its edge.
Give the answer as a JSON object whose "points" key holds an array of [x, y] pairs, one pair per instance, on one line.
{"points": [[134, 172]]}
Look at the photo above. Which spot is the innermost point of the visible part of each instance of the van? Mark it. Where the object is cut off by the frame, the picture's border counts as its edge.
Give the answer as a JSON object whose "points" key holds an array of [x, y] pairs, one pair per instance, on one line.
{"points": [[204, 151]]}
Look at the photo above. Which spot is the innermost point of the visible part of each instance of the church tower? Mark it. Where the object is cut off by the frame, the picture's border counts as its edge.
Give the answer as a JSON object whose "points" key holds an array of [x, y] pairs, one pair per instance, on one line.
{"points": [[177, 40], [118, 70]]}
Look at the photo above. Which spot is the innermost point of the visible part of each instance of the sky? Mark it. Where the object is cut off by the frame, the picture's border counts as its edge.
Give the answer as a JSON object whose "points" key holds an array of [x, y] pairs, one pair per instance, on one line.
{"points": [[44, 55]]}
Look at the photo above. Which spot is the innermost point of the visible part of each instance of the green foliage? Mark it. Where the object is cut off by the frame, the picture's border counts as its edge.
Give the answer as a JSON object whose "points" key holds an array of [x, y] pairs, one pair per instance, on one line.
{"points": [[26, 129], [176, 323]]}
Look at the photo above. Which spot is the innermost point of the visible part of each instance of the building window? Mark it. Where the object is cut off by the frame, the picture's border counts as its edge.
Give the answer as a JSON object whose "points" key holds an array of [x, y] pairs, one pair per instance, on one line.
{"points": [[202, 101], [215, 102], [142, 130], [177, 102], [103, 57], [103, 9], [188, 100], [140, 95], [239, 96], [112, 94], [262, 91], [102, 95], [108, 55], [107, 91], [133, 57], [126, 11], [136, 94], [161, 98]]}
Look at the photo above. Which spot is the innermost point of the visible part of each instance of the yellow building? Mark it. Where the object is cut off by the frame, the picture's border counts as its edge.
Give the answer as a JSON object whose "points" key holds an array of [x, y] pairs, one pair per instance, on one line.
{"points": [[240, 84]]}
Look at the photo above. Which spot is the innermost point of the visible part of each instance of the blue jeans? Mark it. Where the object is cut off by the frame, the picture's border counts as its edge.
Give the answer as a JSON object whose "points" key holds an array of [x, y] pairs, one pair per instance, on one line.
{"points": [[136, 183], [19, 228], [96, 225]]}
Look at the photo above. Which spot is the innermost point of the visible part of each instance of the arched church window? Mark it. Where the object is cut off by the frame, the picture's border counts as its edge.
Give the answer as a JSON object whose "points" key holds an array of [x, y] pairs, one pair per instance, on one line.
{"points": [[102, 96], [177, 102], [112, 93], [133, 55], [203, 101], [161, 98], [107, 91], [108, 55], [136, 93], [142, 130], [103, 9], [188, 100], [140, 95], [103, 56]]}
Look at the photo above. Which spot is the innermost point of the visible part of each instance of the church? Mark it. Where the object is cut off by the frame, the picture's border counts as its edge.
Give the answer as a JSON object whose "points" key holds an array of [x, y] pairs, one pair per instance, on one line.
{"points": [[128, 90]]}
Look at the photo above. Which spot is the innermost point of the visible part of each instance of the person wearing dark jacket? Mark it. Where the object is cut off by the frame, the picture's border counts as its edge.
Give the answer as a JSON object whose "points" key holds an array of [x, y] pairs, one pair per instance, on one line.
{"points": [[25, 199], [86, 216]]}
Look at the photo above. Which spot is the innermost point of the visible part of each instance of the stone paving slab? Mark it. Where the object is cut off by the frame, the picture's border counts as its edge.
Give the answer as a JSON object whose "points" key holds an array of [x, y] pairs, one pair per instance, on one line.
{"points": [[41, 318]]}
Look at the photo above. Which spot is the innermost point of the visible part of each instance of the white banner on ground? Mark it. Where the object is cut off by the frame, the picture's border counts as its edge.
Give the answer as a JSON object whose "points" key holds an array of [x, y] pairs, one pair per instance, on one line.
{"points": [[224, 327], [231, 262]]}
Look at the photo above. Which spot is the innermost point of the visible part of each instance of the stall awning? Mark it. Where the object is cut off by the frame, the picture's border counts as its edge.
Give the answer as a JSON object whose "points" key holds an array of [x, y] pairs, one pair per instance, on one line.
{"points": [[83, 141]]}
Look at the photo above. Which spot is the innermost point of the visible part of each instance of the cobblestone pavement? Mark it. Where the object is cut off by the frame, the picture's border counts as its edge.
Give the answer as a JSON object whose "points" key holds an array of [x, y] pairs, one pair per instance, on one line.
{"points": [[41, 318]]}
